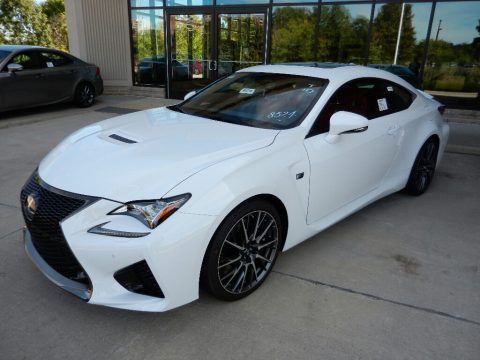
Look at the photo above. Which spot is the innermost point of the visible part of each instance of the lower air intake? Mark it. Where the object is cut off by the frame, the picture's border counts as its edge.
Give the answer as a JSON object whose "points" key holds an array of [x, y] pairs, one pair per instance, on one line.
{"points": [[138, 278]]}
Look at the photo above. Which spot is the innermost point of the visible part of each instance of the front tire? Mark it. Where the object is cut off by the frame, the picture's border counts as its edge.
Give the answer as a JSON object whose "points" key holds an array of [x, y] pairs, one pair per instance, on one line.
{"points": [[242, 251], [423, 168], [84, 95]]}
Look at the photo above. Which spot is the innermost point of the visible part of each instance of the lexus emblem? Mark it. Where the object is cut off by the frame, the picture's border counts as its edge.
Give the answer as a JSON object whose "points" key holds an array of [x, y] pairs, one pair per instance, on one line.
{"points": [[31, 205]]}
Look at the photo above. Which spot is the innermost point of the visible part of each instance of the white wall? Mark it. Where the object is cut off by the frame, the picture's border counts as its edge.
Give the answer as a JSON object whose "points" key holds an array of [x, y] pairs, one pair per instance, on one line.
{"points": [[98, 32]]}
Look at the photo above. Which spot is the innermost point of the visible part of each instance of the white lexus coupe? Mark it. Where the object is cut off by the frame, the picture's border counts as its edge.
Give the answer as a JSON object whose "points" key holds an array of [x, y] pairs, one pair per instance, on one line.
{"points": [[138, 211]]}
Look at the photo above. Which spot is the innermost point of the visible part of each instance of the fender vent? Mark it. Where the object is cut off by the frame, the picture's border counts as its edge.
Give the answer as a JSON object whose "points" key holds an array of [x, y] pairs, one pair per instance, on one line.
{"points": [[122, 139]]}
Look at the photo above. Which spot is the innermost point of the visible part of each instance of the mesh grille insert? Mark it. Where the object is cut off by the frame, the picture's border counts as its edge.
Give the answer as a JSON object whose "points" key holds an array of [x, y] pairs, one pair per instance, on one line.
{"points": [[44, 226]]}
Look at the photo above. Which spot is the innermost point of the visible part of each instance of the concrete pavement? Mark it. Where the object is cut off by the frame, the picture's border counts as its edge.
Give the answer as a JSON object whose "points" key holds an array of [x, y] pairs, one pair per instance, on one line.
{"points": [[398, 280]]}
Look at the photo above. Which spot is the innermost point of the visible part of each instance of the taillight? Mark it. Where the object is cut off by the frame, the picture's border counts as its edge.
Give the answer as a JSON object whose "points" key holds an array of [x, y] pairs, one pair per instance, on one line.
{"points": [[97, 73], [441, 109]]}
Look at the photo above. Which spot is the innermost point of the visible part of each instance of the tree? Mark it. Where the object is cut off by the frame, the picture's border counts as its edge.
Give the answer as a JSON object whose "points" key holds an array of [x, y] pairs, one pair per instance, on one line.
{"points": [[54, 10], [26, 22], [342, 38], [385, 32], [22, 22], [293, 34]]}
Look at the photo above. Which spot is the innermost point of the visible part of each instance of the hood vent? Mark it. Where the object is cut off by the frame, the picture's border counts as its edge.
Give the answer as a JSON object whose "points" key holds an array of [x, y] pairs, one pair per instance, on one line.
{"points": [[122, 139]]}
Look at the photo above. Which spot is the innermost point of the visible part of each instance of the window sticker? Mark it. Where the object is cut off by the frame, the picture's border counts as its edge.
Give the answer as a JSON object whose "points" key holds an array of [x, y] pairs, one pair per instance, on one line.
{"points": [[49, 64], [247, 91], [382, 104], [389, 88]]}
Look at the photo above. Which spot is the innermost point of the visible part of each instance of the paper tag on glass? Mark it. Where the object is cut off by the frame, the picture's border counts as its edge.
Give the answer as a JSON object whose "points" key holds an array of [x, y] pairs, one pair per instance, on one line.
{"points": [[247, 91], [382, 104]]}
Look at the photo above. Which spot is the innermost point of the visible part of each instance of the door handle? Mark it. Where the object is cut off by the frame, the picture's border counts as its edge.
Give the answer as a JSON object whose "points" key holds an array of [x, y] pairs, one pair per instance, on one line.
{"points": [[38, 76], [392, 130]]}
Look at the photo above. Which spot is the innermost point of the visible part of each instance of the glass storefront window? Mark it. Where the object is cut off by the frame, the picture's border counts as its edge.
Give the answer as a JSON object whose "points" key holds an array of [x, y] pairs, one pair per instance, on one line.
{"points": [[397, 47], [344, 33], [148, 47], [146, 3], [293, 33], [241, 2], [189, 2], [240, 41], [453, 63]]}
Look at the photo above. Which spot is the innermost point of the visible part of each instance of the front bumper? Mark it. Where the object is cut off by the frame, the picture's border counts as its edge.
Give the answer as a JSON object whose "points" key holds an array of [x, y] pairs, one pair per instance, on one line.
{"points": [[173, 253], [76, 288]]}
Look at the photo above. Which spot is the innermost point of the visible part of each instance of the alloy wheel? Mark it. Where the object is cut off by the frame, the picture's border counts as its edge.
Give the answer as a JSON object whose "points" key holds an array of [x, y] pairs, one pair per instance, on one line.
{"points": [[248, 252], [87, 94], [426, 166]]}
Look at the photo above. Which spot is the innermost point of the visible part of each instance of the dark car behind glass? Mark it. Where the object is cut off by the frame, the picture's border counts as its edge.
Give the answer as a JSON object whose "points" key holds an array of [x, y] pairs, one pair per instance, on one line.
{"points": [[33, 76], [151, 71], [400, 70]]}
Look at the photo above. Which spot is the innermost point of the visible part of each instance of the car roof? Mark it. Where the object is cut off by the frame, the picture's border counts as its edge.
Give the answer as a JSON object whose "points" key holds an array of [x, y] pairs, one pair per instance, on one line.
{"points": [[335, 75], [20, 47]]}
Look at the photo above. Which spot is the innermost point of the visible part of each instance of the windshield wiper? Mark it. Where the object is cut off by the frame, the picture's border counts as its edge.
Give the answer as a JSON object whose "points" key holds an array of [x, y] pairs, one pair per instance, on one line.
{"points": [[176, 108]]}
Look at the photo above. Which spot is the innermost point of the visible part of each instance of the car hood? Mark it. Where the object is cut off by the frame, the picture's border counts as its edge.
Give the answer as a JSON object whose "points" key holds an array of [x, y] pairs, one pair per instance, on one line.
{"points": [[151, 151]]}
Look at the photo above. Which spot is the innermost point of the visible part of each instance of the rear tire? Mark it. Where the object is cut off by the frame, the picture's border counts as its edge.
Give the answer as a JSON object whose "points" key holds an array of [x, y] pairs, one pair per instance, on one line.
{"points": [[423, 168], [84, 95], [243, 251]]}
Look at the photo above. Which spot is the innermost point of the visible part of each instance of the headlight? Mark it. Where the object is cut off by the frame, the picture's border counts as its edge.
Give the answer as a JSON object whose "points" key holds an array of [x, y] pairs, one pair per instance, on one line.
{"points": [[152, 212]]}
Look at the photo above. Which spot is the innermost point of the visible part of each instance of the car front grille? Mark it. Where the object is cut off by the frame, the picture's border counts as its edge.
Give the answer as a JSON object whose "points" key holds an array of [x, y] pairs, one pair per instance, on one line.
{"points": [[43, 216]]}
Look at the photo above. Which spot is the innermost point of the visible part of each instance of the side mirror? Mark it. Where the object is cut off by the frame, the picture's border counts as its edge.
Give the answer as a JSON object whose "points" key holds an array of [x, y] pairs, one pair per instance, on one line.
{"points": [[189, 95], [343, 122], [14, 68]]}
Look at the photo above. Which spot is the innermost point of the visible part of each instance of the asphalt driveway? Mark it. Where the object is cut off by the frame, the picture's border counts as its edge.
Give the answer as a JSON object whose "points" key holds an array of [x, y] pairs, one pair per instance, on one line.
{"points": [[398, 280]]}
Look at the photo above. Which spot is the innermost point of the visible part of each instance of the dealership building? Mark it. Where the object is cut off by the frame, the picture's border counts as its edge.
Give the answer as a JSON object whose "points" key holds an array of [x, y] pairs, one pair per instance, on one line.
{"points": [[180, 45]]}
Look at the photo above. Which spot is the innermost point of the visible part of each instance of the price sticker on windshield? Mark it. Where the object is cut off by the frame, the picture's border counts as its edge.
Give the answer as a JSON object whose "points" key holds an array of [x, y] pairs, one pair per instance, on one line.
{"points": [[247, 91]]}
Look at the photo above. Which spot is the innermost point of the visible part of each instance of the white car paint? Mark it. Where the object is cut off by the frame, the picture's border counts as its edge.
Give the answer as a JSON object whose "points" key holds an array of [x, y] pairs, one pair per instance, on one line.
{"points": [[223, 165]]}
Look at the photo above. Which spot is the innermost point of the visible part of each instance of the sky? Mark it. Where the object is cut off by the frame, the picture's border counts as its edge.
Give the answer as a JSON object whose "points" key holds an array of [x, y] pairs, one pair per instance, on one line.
{"points": [[459, 20]]}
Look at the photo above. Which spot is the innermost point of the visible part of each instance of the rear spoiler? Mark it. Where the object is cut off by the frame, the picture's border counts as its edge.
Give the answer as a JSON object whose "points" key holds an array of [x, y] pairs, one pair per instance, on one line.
{"points": [[427, 95]]}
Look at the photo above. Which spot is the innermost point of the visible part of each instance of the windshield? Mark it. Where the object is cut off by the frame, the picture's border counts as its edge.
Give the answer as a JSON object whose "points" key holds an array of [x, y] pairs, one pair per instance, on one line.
{"points": [[272, 101], [3, 54]]}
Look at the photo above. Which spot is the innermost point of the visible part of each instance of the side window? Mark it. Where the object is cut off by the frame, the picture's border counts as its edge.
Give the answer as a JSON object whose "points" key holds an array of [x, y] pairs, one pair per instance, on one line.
{"points": [[51, 59], [350, 97], [368, 97], [27, 59], [398, 98]]}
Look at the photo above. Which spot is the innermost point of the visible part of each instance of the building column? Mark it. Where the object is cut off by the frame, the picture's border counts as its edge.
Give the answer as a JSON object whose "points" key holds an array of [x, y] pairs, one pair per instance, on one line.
{"points": [[99, 33]]}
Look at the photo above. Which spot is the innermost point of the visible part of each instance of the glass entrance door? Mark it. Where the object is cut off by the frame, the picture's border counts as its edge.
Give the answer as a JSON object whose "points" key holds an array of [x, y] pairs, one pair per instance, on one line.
{"points": [[204, 47], [191, 64]]}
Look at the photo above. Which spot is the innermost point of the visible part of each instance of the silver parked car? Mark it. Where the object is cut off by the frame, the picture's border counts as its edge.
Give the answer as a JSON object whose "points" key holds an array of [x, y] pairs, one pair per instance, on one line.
{"points": [[32, 76]]}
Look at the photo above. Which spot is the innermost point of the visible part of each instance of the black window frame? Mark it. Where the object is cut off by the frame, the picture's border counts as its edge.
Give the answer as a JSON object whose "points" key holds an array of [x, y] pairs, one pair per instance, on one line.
{"points": [[43, 61], [312, 132], [32, 53]]}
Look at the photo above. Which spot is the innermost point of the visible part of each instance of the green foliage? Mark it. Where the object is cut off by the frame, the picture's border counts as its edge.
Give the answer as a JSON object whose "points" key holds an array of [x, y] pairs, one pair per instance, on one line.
{"points": [[342, 38], [385, 33], [147, 34], [26, 22], [293, 34], [54, 10]]}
